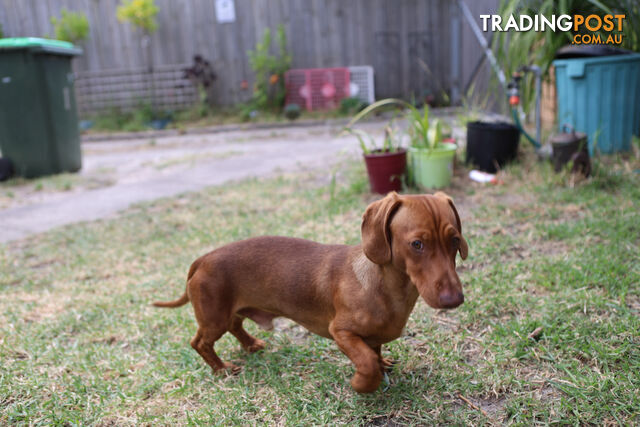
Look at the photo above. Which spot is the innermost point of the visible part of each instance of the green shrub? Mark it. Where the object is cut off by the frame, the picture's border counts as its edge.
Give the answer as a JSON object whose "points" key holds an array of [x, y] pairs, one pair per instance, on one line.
{"points": [[269, 90], [129, 121], [292, 111], [140, 13], [351, 105], [72, 26]]}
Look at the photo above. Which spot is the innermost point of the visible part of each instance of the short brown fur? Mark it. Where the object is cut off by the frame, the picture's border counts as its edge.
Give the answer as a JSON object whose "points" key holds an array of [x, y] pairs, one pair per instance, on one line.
{"points": [[360, 296]]}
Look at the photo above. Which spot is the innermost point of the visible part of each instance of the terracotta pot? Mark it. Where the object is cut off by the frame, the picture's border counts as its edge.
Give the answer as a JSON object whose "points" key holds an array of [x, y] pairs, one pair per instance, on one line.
{"points": [[386, 170]]}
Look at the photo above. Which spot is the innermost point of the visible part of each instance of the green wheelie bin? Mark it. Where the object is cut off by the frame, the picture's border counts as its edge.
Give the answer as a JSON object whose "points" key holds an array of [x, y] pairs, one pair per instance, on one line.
{"points": [[38, 117]]}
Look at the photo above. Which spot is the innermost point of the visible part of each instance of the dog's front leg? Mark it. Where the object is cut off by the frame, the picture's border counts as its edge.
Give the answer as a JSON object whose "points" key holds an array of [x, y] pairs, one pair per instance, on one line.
{"points": [[368, 373], [385, 362]]}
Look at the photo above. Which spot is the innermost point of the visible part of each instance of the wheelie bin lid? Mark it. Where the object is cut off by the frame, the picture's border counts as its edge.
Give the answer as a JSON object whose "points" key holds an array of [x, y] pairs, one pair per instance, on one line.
{"points": [[40, 45], [589, 51]]}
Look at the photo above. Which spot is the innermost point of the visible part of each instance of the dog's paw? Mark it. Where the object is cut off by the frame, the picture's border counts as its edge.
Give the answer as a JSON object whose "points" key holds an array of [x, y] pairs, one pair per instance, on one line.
{"points": [[387, 363], [363, 383], [228, 368], [256, 346]]}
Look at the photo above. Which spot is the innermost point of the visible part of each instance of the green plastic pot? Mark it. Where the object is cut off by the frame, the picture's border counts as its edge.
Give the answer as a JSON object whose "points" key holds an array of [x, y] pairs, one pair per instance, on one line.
{"points": [[432, 168]]}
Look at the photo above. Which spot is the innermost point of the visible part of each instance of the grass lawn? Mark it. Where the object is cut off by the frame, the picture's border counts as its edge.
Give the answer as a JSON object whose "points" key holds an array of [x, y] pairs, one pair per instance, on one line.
{"points": [[80, 344]]}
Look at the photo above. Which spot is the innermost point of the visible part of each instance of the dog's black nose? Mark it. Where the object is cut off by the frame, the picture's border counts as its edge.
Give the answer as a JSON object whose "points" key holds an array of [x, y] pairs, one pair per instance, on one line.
{"points": [[451, 299]]}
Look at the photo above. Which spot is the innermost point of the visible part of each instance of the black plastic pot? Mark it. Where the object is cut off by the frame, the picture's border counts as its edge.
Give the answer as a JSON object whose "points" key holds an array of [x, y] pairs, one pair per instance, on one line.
{"points": [[491, 145]]}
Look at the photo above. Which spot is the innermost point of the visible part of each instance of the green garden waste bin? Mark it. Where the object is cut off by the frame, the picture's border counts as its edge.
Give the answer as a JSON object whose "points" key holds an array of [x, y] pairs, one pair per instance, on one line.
{"points": [[38, 117]]}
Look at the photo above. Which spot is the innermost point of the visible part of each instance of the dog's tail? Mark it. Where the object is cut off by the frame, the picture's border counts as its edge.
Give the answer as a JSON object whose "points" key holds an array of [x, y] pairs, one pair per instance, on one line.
{"points": [[177, 303], [185, 297]]}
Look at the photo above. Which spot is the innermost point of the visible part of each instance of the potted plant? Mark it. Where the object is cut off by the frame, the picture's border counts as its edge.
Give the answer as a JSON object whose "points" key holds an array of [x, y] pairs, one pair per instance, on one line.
{"points": [[430, 156], [386, 165]]}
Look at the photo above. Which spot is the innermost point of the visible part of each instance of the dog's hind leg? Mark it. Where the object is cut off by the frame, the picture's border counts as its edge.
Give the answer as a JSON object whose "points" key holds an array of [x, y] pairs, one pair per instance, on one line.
{"points": [[248, 342], [203, 343], [214, 319]]}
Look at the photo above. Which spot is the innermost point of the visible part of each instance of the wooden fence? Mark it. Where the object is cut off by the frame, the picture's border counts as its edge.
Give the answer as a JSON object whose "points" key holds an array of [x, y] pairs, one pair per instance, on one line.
{"points": [[416, 47]]}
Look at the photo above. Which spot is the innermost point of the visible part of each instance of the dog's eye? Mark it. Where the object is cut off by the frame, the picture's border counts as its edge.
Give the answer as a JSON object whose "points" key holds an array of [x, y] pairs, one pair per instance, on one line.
{"points": [[417, 245], [455, 242]]}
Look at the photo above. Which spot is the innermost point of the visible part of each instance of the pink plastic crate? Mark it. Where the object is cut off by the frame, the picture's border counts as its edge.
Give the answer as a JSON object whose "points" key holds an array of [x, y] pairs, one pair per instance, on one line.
{"points": [[317, 88]]}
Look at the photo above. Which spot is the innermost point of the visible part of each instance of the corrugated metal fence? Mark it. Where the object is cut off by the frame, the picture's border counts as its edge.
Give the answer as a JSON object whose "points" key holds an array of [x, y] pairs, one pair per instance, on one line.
{"points": [[416, 47]]}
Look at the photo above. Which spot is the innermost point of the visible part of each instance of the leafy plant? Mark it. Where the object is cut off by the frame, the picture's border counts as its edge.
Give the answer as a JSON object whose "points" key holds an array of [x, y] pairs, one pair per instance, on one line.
{"points": [[138, 119], [392, 140], [269, 89], [517, 48], [72, 26], [423, 132], [367, 143], [248, 112], [140, 13], [202, 76], [351, 105], [292, 111], [635, 146]]}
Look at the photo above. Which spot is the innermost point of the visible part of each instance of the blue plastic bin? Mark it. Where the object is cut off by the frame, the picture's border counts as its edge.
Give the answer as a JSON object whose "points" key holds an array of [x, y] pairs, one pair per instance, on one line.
{"points": [[601, 97]]}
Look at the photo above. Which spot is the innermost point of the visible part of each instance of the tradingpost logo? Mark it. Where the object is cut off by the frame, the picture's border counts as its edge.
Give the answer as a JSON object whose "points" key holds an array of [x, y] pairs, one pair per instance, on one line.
{"points": [[589, 29]]}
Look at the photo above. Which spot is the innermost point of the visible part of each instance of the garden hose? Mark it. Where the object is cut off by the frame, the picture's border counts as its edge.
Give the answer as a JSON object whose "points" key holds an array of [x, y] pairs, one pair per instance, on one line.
{"points": [[516, 119], [514, 102]]}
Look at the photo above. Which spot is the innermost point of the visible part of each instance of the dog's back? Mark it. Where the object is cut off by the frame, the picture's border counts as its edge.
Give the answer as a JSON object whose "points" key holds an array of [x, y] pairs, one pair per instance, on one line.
{"points": [[281, 275]]}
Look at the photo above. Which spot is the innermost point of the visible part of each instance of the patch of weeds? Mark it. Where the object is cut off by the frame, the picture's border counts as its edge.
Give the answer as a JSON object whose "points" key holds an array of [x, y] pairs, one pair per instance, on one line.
{"points": [[59, 182], [116, 119]]}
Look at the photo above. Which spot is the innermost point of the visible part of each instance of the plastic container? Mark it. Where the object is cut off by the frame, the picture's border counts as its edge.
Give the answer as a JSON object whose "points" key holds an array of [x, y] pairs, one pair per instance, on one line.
{"points": [[386, 170], [589, 51], [39, 122], [601, 97], [491, 145], [432, 168], [317, 88]]}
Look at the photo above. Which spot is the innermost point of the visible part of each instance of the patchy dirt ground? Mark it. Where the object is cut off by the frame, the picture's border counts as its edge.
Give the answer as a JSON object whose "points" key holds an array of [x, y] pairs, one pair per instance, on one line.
{"points": [[116, 174]]}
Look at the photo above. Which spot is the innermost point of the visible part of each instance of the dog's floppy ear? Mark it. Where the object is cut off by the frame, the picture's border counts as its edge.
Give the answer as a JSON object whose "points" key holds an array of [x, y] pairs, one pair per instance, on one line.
{"points": [[464, 248], [376, 235]]}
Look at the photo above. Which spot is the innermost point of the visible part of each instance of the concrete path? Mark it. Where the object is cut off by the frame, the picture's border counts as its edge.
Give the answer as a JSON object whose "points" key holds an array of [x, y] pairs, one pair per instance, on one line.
{"points": [[117, 174]]}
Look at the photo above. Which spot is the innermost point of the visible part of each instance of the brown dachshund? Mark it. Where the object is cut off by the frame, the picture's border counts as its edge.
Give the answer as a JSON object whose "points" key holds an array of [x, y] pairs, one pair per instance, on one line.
{"points": [[360, 296]]}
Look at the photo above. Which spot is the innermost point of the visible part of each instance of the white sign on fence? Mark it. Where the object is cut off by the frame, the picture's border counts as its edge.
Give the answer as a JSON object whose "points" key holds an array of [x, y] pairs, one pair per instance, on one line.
{"points": [[225, 11]]}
